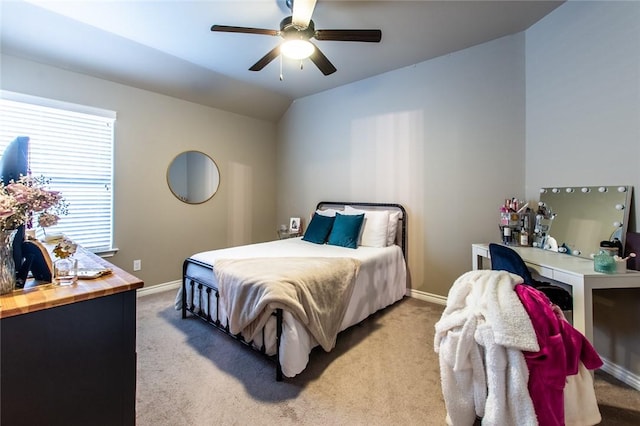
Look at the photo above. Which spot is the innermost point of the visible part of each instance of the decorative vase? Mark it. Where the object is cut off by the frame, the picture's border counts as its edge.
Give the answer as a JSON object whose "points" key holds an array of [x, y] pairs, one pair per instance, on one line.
{"points": [[604, 262], [65, 271], [7, 265]]}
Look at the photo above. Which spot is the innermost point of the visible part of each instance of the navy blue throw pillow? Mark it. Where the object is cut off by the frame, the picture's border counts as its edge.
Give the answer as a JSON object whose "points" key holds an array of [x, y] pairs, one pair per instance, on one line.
{"points": [[318, 229], [346, 230]]}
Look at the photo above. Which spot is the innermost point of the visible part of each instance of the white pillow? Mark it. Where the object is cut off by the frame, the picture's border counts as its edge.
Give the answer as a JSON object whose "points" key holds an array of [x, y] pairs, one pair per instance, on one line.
{"points": [[394, 217], [375, 226], [392, 227], [327, 212]]}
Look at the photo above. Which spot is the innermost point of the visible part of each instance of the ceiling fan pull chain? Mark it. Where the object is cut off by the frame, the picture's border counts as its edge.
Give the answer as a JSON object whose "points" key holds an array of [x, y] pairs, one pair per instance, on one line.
{"points": [[301, 65], [281, 76]]}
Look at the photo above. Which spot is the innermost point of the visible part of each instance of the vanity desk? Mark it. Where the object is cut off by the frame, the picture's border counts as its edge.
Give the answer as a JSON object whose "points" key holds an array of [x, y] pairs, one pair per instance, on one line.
{"points": [[573, 271], [68, 353]]}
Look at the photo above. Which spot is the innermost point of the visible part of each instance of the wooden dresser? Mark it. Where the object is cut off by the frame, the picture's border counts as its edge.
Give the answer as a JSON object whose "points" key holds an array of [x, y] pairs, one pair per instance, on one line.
{"points": [[68, 353]]}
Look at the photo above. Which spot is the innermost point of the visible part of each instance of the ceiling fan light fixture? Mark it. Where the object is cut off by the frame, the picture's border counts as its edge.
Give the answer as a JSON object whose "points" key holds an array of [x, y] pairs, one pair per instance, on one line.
{"points": [[297, 49]]}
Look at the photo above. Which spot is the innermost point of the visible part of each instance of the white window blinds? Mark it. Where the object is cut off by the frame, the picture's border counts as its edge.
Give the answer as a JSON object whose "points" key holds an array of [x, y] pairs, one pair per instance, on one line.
{"points": [[72, 146]]}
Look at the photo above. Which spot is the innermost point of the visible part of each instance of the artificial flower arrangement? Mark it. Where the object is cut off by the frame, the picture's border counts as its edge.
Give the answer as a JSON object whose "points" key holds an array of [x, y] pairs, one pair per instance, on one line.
{"points": [[22, 199]]}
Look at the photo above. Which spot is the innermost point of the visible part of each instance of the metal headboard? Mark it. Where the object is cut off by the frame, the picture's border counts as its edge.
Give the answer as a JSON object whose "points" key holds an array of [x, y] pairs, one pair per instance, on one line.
{"points": [[401, 236]]}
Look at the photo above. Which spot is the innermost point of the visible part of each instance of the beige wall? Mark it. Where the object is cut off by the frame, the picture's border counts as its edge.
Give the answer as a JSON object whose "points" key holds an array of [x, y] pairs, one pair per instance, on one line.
{"points": [[149, 222], [445, 138], [583, 128]]}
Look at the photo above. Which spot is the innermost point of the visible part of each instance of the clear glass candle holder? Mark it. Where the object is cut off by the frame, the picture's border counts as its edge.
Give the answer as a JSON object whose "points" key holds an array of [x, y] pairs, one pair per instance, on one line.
{"points": [[65, 271]]}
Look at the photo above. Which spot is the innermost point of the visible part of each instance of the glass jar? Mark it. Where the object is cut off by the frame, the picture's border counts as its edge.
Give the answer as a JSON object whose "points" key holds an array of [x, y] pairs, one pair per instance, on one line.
{"points": [[604, 262], [65, 271]]}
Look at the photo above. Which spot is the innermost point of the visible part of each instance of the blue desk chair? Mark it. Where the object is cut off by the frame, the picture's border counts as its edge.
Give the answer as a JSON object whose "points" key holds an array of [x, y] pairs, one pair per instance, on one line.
{"points": [[505, 259]]}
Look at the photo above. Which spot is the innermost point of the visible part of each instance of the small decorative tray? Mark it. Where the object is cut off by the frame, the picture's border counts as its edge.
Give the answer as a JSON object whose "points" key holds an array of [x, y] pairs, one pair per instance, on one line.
{"points": [[90, 274]]}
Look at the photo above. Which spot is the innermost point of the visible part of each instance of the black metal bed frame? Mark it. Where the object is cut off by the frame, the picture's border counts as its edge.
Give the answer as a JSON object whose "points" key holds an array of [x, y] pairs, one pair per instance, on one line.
{"points": [[190, 284], [188, 304]]}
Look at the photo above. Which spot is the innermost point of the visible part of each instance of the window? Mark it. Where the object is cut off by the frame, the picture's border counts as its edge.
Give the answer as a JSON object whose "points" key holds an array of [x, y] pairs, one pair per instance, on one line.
{"points": [[72, 146]]}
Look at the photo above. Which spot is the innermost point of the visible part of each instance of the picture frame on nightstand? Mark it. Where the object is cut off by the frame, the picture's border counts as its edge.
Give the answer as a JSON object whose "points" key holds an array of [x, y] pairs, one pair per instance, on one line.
{"points": [[294, 225]]}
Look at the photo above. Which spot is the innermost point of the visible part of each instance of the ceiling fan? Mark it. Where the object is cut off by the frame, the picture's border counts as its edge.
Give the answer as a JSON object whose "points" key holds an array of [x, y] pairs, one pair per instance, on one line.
{"points": [[297, 31]]}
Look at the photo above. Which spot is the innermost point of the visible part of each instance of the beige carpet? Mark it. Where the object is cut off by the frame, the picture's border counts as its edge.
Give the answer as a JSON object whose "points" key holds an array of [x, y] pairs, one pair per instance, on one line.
{"points": [[382, 372]]}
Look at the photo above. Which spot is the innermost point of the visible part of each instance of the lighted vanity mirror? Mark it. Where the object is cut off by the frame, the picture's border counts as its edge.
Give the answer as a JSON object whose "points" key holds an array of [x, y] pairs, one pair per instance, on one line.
{"points": [[587, 215], [193, 177]]}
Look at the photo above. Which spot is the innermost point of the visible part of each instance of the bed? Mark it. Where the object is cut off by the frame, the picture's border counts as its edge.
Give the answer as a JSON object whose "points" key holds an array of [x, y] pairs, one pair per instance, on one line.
{"points": [[282, 332]]}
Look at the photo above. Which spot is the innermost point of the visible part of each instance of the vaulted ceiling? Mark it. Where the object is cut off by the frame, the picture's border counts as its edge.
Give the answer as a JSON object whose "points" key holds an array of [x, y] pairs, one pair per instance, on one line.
{"points": [[166, 46]]}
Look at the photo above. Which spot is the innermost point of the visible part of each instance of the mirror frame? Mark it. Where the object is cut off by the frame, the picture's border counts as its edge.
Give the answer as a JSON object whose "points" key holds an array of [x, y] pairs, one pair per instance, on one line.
{"points": [[587, 215], [184, 198]]}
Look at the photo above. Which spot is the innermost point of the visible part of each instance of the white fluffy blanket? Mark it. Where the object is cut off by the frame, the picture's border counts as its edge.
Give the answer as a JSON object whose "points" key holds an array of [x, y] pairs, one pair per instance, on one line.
{"points": [[315, 290], [479, 338]]}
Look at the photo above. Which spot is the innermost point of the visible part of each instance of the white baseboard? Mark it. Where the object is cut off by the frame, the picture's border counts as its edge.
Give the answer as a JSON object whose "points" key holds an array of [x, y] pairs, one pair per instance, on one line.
{"points": [[174, 285], [171, 285], [621, 374], [428, 297]]}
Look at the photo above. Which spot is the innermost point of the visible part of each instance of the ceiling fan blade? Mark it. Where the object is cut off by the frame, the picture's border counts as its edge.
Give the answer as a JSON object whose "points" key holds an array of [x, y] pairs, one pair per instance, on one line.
{"points": [[371, 36], [246, 30], [264, 61], [321, 61], [302, 11]]}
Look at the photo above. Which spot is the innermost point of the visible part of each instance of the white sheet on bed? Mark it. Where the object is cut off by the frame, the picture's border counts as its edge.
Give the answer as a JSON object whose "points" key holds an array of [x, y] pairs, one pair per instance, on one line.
{"points": [[380, 282]]}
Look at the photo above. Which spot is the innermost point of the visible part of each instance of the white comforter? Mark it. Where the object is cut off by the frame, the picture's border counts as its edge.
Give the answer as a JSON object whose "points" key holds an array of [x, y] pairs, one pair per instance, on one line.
{"points": [[381, 281]]}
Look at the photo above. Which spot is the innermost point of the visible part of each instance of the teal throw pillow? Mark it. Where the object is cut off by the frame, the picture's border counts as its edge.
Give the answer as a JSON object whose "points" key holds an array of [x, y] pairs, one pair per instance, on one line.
{"points": [[346, 230], [318, 229]]}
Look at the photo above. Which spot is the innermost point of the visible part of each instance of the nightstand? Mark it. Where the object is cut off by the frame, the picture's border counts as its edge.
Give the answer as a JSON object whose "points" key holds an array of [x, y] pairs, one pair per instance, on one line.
{"points": [[283, 235]]}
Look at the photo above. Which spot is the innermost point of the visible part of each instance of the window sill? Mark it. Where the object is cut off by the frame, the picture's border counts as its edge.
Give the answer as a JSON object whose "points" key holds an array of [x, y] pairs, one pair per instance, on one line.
{"points": [[107, 253]]}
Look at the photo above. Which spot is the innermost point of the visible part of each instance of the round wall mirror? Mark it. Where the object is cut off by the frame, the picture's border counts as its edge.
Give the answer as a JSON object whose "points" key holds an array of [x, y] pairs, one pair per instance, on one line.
{"points": [[193, 177]]}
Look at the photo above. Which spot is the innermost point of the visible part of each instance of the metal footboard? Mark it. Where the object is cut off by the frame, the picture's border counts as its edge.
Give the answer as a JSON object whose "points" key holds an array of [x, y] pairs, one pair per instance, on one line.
{"points": [[207, 294]]}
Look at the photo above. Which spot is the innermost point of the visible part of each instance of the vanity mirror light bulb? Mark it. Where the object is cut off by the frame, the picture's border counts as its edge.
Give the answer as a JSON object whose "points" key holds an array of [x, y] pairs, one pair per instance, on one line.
{"points": [[555, 190], [602, 189], [622, 189], [619, 207], [543, 191], [569, 190], [617, 224], [586, 190]]}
